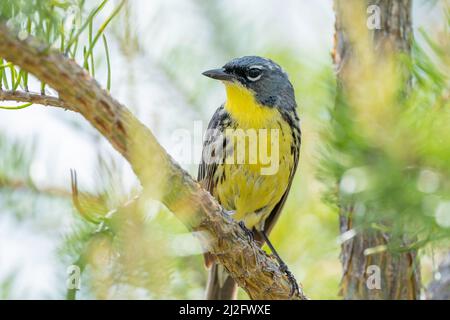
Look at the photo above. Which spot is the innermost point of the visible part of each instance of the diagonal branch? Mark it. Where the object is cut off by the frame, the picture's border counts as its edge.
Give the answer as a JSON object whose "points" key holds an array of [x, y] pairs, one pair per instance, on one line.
{"points": [[161, 177]]}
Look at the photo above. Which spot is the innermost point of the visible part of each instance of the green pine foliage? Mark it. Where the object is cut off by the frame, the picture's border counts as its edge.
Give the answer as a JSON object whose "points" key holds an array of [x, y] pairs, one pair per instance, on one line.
{"points": [[398, 170]]}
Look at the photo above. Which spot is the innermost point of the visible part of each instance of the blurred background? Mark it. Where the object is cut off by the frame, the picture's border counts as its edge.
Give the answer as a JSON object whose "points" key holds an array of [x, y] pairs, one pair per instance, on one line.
{"points": [[157, 51]]}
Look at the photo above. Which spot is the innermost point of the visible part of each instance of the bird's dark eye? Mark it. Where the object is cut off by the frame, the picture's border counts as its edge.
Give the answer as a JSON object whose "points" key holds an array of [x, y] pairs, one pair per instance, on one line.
{"points": [[254, 74]]}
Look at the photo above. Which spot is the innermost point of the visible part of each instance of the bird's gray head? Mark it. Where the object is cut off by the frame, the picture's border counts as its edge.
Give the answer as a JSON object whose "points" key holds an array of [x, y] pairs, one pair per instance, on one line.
{"points": [[265, 78]]}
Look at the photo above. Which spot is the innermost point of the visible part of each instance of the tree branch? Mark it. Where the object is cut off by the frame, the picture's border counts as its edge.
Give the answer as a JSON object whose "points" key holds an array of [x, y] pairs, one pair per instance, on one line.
{"points": [[161, 177], [21, 96], [16, 184]]}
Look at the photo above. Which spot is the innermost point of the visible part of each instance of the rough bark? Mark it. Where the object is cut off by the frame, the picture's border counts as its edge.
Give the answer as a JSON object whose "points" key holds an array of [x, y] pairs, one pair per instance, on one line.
{"points": [[400, 275], [161, 177]]}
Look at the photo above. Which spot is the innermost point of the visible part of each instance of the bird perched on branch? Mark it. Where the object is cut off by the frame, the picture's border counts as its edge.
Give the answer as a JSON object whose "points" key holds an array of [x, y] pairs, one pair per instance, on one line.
{"points": [[250, 154]]}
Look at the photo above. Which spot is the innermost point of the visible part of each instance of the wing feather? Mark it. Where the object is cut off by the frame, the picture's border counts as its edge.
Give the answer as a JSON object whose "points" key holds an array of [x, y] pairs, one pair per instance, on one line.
{"points": [[212, 144], [273, 217], [207, 167]]}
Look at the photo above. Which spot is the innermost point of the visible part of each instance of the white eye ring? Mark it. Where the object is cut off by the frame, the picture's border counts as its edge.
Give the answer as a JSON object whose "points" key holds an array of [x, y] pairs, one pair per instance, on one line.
{"points": [[258, 76]]}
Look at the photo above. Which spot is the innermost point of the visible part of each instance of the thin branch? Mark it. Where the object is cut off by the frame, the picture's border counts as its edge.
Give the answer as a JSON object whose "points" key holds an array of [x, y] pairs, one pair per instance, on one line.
{"points": [[35, 98], [27, 186], [161, 177]]}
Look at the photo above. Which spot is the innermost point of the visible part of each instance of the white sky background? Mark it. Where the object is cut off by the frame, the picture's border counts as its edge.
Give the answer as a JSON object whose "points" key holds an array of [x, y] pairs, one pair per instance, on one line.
{"points": [[306, 26]]}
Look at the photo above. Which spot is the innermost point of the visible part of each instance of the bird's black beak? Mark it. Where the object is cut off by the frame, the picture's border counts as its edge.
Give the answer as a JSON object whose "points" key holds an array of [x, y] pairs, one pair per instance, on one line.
{"points": [[219, 74]]}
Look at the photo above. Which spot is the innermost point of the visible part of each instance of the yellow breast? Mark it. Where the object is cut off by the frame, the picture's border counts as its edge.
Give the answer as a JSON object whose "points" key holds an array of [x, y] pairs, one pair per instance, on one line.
{"points": [[244, 108], [246, 188]]}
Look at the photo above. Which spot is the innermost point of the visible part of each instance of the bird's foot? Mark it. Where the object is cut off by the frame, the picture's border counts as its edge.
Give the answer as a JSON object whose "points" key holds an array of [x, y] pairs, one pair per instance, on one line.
{"points": [[294, 285], [247, 231], [229, 212]]}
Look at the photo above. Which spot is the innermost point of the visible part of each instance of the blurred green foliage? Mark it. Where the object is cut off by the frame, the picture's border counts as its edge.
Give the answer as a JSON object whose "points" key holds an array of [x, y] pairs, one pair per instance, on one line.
{"points": [[69, 25], [390, 159]]}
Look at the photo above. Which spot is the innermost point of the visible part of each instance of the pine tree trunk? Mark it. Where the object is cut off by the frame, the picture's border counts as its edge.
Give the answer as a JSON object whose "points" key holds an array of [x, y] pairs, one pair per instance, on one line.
{"points": [[399, 272]]}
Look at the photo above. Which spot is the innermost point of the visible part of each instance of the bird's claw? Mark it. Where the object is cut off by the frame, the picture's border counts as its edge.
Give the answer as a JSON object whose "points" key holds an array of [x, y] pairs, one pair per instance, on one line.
{"points": [[229, 212], [248, 232], [294, 285]]}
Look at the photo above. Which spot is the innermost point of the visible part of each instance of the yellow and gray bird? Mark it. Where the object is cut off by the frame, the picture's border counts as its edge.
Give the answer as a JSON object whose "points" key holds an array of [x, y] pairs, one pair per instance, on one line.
{"points": [[260, 105]]}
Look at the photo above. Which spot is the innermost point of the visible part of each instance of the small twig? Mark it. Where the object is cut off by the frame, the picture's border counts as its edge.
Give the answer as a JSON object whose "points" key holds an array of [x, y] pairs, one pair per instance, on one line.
{"points": [[27, 186], [35, 98], [74, 187]]}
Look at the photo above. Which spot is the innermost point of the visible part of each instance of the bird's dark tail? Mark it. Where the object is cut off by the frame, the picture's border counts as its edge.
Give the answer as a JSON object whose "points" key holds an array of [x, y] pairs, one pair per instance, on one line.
{"points": [[220, 285]]}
